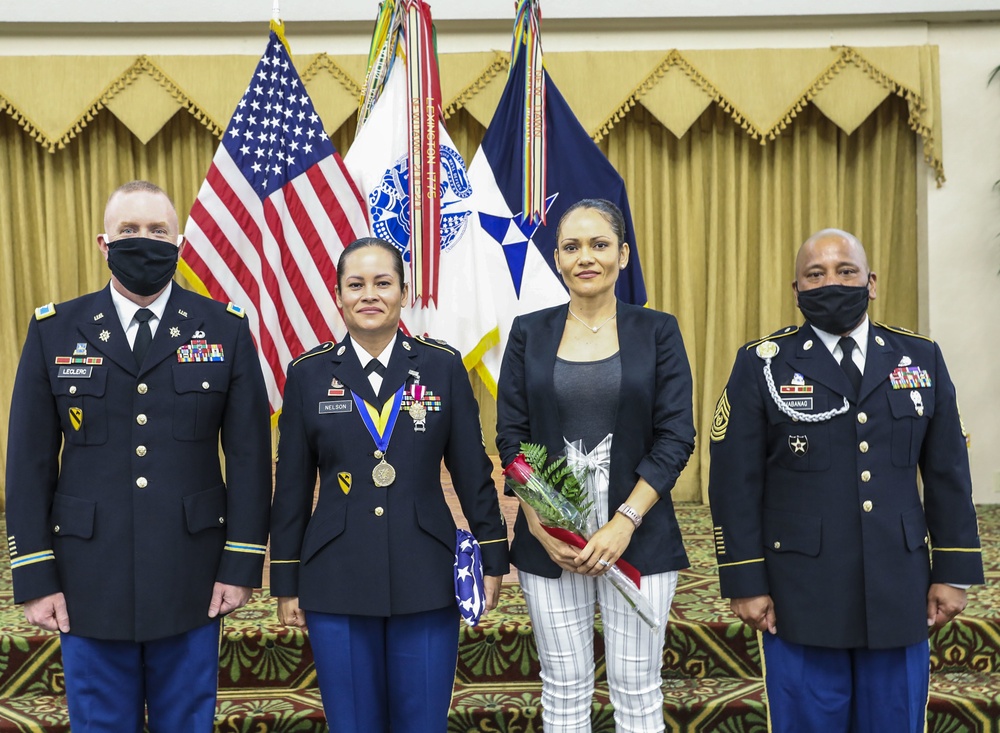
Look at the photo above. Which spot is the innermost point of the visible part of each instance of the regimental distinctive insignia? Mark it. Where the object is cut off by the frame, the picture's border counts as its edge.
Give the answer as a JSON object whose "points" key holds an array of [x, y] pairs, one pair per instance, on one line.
{"points": [[721, 420], [798, 380], [76, 417], [344, 479], [200, 350], [80, 350], [909, 377], [767, 350], [174, 332], [918, 402], [105, 335], [799, 444]]}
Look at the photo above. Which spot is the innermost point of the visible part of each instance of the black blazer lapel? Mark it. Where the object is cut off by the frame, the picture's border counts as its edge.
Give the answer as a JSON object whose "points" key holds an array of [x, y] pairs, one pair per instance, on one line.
{"points": [[176, 328], [540, 361], [811, 357], [104, 332], [402, 360], [880, 360]]}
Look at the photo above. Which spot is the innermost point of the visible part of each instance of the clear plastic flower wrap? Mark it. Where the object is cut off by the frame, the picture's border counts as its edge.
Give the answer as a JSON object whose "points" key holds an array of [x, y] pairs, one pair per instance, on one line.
{"points": [[563, 493]]}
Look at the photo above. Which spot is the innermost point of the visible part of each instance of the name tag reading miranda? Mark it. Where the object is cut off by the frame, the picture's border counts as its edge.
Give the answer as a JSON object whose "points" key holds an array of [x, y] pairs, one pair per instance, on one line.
{"points": [[75, 372], [331, 408]]}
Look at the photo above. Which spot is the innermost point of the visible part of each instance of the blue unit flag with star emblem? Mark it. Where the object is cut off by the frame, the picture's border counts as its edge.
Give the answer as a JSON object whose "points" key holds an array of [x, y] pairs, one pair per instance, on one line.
{"points": [[522, 270]]}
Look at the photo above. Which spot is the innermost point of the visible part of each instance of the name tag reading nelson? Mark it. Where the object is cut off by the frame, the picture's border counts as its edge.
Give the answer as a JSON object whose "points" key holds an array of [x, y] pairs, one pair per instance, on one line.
{"points": [[330, 408], [75, 372]]}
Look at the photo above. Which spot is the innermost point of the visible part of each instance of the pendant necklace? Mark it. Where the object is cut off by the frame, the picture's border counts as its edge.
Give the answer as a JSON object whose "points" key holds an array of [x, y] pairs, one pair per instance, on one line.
{"points": [[595, 329]]}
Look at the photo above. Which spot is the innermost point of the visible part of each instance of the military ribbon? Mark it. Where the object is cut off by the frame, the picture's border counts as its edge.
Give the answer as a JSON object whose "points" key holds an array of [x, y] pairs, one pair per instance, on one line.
{"points": [[528, 40], [424, 89], [380, 422]]}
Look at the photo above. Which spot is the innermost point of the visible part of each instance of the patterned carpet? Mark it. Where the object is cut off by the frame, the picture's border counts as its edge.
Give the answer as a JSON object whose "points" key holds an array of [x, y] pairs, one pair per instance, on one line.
{"points": [[711, 670]]}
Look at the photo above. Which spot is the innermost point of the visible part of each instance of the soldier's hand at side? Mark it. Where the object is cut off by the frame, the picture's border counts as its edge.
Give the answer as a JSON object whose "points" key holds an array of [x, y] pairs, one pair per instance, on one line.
{"points": [[289, 613], [944, 602], [48, 612], [227, 598], [756, 612]]}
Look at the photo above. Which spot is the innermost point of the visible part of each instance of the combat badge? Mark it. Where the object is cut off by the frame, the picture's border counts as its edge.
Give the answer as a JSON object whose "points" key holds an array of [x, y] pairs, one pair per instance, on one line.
{"points": [[799, 444]]}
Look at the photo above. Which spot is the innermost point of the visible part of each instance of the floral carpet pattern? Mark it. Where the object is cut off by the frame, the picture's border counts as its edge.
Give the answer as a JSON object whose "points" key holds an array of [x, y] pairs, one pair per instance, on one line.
{"points": [[711, 663]]}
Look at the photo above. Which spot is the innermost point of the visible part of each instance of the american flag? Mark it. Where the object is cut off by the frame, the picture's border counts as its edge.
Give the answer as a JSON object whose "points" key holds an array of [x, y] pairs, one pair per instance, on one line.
{"points": [[273, 215]]}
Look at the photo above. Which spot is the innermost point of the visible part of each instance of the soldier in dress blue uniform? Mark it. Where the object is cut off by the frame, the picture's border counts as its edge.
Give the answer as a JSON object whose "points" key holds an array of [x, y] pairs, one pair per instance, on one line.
{"points": [[371, 569], [822, 539], [123, 534]]}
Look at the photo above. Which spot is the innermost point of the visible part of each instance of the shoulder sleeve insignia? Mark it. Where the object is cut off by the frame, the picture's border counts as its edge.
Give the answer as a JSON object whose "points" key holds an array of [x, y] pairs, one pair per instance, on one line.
{"points": [[236, 310], [436, 343], [767, 350], [44, 311], [721, 420], [321, 349], [903, 331]]}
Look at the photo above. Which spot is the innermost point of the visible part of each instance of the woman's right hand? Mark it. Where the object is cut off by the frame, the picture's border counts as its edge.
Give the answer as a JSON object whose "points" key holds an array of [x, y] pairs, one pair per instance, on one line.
{"points": [[562, 554], [289, 613]]}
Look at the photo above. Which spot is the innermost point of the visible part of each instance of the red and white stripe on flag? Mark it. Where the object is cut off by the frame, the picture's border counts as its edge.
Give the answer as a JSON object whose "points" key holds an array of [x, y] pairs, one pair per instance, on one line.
{"points": [[272, 217]]}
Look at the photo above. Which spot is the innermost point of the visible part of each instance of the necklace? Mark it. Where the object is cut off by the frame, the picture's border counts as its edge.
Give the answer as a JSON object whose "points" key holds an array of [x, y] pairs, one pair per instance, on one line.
{"points": [[595, 329]]}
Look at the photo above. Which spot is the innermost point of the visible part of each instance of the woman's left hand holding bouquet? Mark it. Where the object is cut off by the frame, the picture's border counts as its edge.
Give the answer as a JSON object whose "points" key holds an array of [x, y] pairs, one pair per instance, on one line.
{"points": [[610, 541], [562, 554]]}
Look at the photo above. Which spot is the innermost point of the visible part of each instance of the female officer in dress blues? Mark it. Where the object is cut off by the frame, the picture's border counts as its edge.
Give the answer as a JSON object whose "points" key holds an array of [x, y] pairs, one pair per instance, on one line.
{"points": [[371, 569], [617, 377]]}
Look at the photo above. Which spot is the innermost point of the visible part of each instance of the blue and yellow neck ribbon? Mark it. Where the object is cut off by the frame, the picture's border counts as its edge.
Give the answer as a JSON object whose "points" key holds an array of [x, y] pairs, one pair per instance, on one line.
{"points": [[380, 422]]}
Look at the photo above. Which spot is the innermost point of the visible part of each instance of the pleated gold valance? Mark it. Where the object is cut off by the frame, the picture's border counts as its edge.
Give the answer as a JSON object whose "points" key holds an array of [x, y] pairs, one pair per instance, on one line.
{"points": [[54, 97]]}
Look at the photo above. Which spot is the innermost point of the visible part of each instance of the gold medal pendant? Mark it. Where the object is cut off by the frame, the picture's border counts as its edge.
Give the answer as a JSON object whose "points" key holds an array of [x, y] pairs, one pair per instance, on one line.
{"points": [[383, 474]]}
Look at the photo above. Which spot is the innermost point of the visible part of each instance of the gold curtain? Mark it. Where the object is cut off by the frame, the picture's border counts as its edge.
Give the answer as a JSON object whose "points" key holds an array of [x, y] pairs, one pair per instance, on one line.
{"points": [[718, 215]]}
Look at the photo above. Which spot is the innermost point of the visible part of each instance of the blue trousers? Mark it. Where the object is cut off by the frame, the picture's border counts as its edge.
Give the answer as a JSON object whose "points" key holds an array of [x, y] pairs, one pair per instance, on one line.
{"points": [[845, 690], [380, 673], [111, 684]]}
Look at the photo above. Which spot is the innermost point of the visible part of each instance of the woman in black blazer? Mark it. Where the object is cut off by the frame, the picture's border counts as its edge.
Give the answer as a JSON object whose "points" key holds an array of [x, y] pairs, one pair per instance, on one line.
{"points": [[617, 377], [371, 568]]}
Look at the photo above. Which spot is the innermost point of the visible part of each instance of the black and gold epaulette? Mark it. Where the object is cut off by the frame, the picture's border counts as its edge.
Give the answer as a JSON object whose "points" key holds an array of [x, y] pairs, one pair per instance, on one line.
{"points": [[436, 343], [780, 333], [45, 311], [902, 331], [321, 349]]}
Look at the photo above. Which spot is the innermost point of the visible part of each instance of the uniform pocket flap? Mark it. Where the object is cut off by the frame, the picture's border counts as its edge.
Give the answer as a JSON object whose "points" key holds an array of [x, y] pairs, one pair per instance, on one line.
{"points": [[81, 386], [438, 524], [72, 516], [322, 531], [206, 509], [193, 377], [792, 532], [914, 528], [915, 403]]}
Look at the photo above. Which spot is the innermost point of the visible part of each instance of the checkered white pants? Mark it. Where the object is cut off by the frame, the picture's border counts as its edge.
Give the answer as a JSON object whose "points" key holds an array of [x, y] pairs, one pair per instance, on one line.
{"points": [[562, 618]]}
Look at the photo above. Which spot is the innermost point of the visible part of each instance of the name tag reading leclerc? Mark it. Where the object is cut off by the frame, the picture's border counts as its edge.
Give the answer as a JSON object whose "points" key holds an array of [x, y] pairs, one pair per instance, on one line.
{"points": [[75, 372], [337, 406]]}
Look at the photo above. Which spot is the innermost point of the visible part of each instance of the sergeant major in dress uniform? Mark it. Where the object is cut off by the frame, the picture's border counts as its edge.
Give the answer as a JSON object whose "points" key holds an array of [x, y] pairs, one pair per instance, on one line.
{"points": [[821, 537], [122, 534]]}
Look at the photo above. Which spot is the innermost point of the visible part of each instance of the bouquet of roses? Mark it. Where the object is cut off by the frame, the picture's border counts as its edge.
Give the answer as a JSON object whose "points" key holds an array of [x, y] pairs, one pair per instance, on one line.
{"points": [[562, 494]]}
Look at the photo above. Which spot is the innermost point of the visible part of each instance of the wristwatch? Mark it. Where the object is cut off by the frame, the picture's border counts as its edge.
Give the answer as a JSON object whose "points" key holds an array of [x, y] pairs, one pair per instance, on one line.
{"points": [[631, 514]]}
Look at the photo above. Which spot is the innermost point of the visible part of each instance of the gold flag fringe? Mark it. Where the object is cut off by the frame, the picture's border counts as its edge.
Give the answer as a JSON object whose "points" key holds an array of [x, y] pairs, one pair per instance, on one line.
{"points": [[500, 64]]}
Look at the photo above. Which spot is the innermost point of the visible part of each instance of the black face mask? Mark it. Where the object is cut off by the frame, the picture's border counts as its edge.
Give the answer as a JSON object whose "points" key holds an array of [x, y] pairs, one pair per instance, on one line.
{"points": [[835, 309], [143, 266]]}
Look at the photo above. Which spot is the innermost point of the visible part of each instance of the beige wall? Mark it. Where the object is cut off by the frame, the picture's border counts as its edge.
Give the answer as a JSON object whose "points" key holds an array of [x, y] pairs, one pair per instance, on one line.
{"points": [[960, 291]]}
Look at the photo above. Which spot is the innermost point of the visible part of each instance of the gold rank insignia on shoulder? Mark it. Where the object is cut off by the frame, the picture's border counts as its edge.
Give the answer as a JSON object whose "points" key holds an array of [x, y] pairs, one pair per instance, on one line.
{"points": [[45, 311], [236, 310], [721, 419], [767, 350]]}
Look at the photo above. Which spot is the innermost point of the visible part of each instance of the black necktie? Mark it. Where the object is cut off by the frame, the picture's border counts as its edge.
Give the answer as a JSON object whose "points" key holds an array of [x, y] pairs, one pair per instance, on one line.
{"points": [[375, 366], [144, 336], [847, 345]]}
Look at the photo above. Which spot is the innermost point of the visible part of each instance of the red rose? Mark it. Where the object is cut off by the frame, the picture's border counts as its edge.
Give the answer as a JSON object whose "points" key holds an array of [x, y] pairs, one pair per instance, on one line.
{"points": [[518, 470]]}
